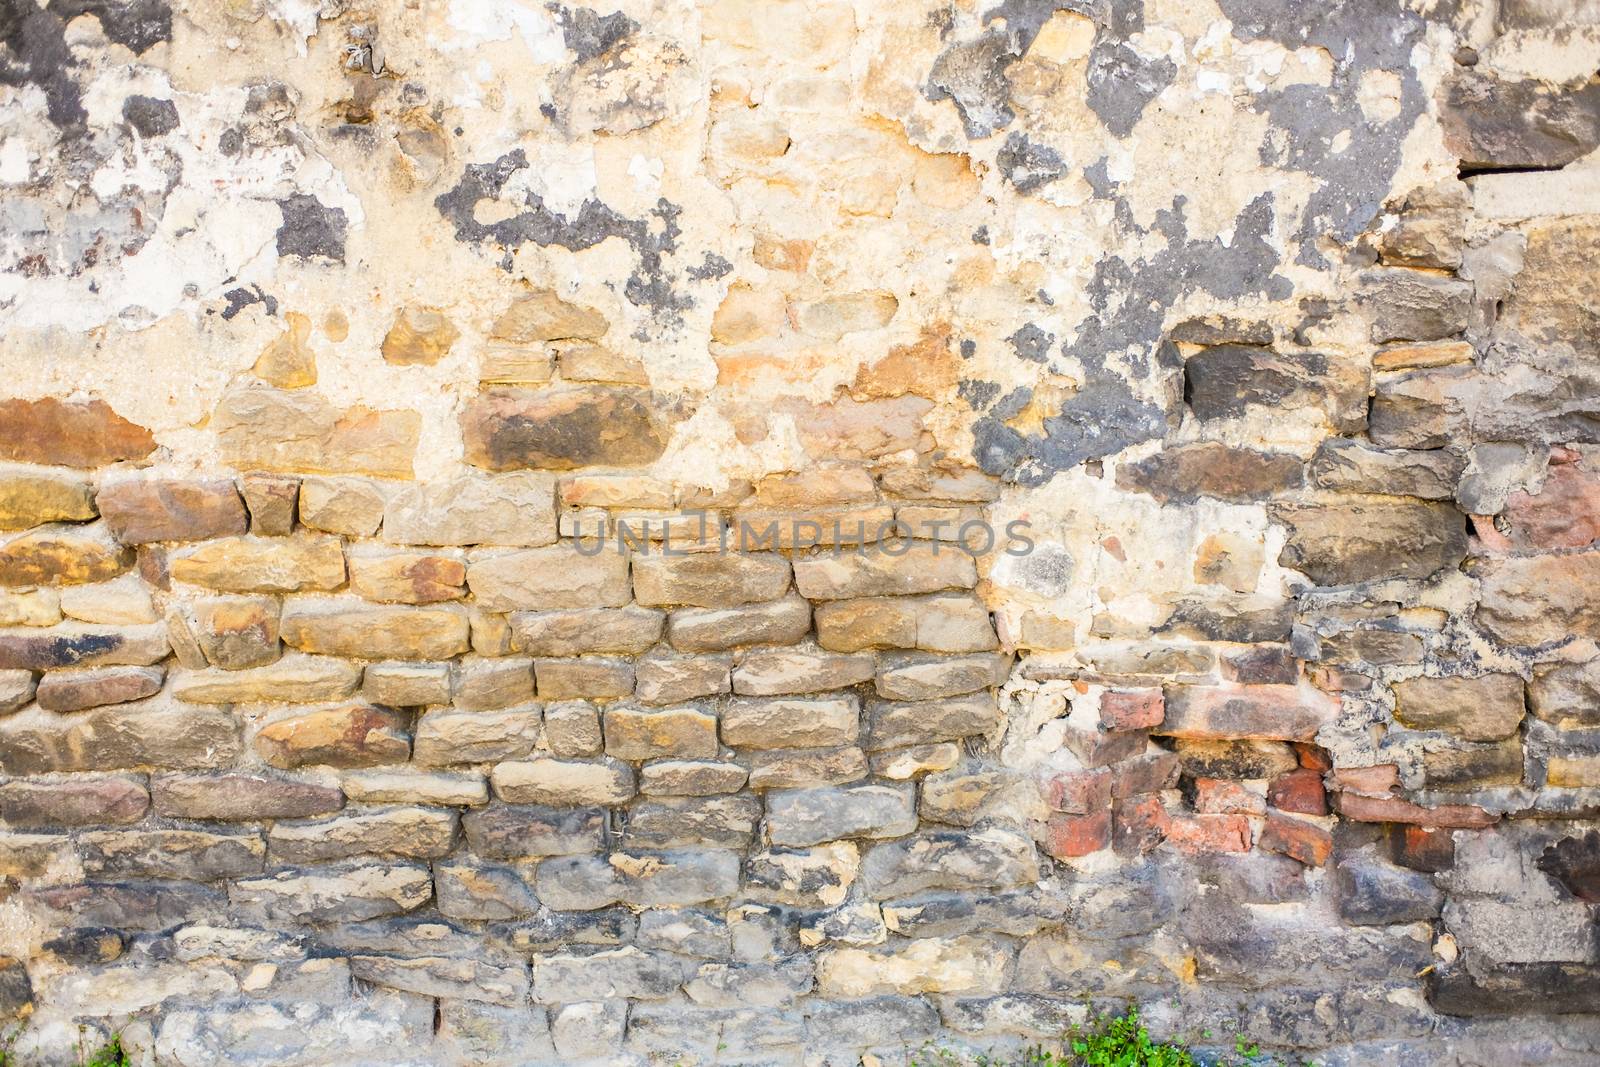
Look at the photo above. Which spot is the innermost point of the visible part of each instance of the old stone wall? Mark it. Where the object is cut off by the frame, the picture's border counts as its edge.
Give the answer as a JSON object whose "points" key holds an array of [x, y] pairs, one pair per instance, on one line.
{"points": [[388, 388]]}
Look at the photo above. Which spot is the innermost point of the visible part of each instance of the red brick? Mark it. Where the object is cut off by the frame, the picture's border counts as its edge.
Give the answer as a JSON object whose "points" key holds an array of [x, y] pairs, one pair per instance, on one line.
{"points": [[1312, 756], [1130, 709], [1218, 796], [1150, 773], [1139, 824], [1069, 836], [1377, 781], [1422, 849], [1297, 839], [1077, 792], [1299, 791], [1209, 833], [1260, 712], [1393, 809]]}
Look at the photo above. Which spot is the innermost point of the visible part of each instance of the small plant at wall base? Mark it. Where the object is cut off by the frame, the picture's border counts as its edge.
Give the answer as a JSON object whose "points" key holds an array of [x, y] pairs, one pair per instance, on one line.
{"points": [[111, 1055], [1110, 1041]]}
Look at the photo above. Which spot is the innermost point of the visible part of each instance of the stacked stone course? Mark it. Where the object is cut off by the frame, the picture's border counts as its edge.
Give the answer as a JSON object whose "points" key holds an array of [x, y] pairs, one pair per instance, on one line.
{"points": [[385, 390]]}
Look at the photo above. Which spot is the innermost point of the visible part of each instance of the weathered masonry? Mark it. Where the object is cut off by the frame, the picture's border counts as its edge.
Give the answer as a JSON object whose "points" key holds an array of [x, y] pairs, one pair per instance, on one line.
{"points": [[333, 335]]}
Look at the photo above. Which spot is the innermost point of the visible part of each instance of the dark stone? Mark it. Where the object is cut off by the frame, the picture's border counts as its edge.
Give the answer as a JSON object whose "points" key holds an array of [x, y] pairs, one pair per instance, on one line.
{"points": [[1261, 665], [1412, 305], [1122, 83], [310, 228], [554, 930], [1377, 894], [1219, 621], [1222, 330], [1188, 472], [86, 945], [1352, 466], [1019, 914], [674, 822], [141, 906], [240, 797], [1031, 343], [1235, 759], [1496, 123], [1516, 989], [150, 116], [1027, 165], [1574, 862], [515, 831], [1422, 848], [878, 1021], [1223, 381], [589, 35], [16, 992], [1321, 130], [1259, 949], [1255, 877], [1461, 765], [189, 855], [120, 737], [562, 428]]}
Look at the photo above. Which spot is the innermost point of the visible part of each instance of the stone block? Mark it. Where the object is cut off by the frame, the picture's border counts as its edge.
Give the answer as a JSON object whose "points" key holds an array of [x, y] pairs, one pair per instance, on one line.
{"points": [[141, 510]]}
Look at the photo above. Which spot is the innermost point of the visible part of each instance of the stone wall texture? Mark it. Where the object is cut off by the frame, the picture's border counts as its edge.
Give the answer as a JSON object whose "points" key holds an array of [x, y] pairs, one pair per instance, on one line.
{"points": [[341, 346]]}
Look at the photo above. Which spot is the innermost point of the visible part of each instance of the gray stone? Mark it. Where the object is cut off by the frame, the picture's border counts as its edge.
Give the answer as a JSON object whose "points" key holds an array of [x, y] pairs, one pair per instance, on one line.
{"points": [[704, 822], [812, 816], [802, 768], [491, 1035], [992, 858], [437, 976], [191, 855], [411, 833], [334, 895], [503, 832], [1411, 305], [638, 879], [551, 931], [686, 931], [483, 892], [573, 729], [630, 973], [1351, 466], [1515, 932], [693, 778], [1372, 893], [589, 1031]]}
